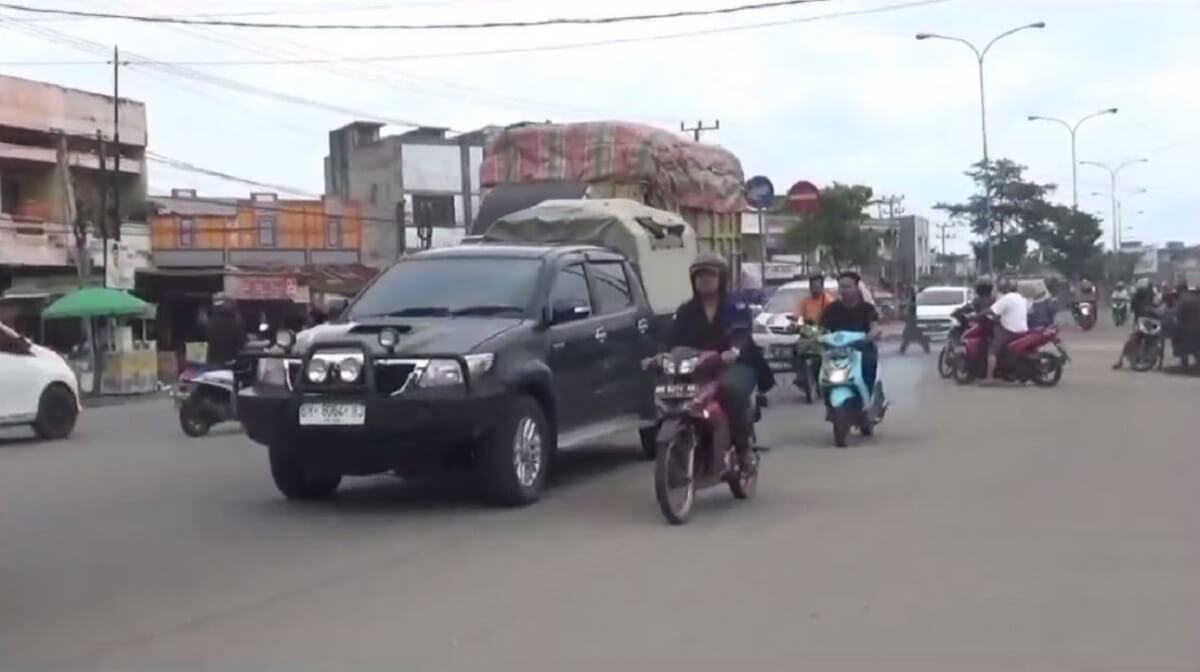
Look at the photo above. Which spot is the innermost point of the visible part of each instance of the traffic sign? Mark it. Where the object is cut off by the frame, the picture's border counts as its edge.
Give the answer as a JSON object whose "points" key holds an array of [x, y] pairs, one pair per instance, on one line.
{"points": [[804, 198], [760, 192]]}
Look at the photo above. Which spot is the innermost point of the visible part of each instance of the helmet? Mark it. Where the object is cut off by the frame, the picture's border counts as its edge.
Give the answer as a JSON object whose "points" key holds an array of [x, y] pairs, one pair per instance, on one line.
{"points": [[710, 261], [983, 287]]}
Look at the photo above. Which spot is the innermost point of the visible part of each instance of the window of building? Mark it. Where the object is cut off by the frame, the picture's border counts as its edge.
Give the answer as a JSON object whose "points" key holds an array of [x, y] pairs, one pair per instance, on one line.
{"points": [[266, 230], [433, 211], [187, 232], [610, 287], [333, 232]]}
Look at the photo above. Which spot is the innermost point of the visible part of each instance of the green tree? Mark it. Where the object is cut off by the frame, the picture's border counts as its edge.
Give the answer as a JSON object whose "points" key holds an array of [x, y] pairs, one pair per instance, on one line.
{"points": [[1018, 206], [1070, 242], [837, 228]]}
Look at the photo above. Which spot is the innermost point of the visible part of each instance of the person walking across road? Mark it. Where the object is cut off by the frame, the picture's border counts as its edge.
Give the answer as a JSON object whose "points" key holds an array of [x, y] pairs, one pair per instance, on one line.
{"points": [[912, 330]]}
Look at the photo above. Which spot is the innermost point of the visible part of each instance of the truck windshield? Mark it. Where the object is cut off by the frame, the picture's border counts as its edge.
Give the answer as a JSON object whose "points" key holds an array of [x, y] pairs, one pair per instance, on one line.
{"points": [[449, 286], [941, 297]]}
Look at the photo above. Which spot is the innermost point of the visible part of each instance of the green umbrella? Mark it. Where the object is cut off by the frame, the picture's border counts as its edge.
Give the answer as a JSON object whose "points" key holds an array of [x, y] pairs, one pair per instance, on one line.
{"points": [[98, 302]]}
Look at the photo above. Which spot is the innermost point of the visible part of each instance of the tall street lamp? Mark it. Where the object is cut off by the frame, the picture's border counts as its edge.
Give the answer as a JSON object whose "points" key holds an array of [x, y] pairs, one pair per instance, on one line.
{"points": [[980, 54], [1113, 172], [1073, 129]]}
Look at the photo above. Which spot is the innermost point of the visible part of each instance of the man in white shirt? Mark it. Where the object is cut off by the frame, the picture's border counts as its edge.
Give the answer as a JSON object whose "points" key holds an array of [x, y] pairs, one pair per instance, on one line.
{"points": [[1012, 310]]}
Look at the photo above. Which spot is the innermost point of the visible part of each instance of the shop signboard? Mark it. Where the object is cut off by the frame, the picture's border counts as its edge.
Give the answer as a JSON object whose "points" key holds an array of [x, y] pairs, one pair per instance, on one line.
{"points": [[244, 287]]}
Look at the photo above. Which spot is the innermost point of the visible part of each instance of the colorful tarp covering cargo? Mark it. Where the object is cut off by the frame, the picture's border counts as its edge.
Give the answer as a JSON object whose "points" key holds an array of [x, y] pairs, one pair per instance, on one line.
{"points": [[679, 173]]}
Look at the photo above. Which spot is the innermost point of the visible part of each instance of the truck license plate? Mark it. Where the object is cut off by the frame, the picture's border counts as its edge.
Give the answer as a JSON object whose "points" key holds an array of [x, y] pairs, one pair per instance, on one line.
{"points": [[332, 414]]}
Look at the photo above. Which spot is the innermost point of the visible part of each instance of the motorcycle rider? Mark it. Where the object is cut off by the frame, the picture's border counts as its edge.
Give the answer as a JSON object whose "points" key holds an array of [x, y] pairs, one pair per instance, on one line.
{"points": [[712, 320], [1120, 294], [852, 312], [1042, 307], [811, 307], [1143, 303], [226, 332], [1012, 312]]}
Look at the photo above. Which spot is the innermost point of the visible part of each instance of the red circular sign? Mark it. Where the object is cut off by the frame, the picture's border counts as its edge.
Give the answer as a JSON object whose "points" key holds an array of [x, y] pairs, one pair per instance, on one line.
{"points": [[804, 198]]}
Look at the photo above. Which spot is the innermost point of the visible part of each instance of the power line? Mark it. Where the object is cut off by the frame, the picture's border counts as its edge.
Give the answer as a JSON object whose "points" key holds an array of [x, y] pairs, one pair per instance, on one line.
{"points": [[192, 168], [561, 21], [525, 50]]}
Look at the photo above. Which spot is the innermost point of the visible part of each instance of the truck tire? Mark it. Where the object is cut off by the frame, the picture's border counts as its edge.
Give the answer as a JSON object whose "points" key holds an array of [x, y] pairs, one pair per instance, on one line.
{"points": [[57, 413], [296, 480], [513, 460]]}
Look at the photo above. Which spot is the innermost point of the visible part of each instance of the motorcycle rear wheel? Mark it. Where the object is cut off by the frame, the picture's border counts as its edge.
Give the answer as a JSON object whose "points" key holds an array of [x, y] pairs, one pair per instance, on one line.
{"points": [[192, 419], [1145, 355], [676, 460], [1048, 370]]}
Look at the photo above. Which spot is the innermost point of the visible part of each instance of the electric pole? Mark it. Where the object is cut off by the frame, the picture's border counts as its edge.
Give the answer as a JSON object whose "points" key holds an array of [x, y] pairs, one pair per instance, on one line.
{"points": [[116, 171], [943, 236], [699, 128]]}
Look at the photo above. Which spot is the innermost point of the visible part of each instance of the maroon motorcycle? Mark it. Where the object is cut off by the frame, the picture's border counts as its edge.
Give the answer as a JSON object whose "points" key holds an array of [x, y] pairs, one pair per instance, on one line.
{"points": [[695, 450]]}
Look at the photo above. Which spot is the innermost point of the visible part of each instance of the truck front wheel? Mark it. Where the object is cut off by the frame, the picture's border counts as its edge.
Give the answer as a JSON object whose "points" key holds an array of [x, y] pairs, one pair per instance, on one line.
{"points": [[296, 479]]}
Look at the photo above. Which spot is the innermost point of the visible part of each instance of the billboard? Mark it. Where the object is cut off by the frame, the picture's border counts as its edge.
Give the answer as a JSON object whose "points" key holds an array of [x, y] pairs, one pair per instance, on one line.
{"points": [[1147, 260]]}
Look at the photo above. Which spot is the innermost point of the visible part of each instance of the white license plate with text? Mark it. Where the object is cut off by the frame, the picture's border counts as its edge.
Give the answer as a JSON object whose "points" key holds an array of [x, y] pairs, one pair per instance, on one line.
{"points": [[332, 414]]}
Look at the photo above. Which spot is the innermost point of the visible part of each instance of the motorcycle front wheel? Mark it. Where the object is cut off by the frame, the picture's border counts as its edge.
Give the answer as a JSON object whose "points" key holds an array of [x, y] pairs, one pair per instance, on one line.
{"points": [[963, 375], [674, 476], [946, 362], [1048, 370], [842, 418], [1145, 355]]}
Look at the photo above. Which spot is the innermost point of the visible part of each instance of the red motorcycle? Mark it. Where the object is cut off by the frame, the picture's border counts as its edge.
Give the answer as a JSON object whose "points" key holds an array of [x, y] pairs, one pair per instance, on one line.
{"points": [[1026, 358], [695, 450]]}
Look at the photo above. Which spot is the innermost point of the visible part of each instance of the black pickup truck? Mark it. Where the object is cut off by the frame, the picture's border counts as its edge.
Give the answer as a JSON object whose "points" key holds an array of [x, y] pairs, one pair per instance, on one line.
{"points": [[493, 356]]}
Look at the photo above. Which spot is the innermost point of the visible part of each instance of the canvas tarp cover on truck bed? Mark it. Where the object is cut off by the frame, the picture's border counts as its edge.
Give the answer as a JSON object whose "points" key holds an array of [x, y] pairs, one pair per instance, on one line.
{"points": [[606, 223], [679, 173]]}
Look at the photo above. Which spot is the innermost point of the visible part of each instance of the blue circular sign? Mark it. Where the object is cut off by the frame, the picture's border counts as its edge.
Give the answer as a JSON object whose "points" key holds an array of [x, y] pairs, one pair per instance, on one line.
{"points": [[760, 193]]}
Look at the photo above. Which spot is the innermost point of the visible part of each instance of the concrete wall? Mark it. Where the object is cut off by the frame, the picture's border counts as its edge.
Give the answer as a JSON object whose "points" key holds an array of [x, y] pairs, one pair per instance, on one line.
{"points": [[44, 107]]}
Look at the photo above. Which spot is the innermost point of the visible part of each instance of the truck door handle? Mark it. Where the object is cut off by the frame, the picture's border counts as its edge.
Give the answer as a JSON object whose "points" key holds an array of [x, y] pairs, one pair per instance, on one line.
{"points": [[643, 325], [601, 335]]}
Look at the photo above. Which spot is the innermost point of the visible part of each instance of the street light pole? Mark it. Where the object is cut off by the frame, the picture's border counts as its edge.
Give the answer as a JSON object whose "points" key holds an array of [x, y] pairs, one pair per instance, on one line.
{"points": [[1112, 174], [1073, 129], [980, 55]]}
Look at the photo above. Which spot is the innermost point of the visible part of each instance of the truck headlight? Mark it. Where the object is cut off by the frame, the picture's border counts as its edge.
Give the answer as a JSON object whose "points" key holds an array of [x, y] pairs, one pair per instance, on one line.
{"points": [[349, 369], [317, 371], [441, 372], [271, 372], [480, 363]]}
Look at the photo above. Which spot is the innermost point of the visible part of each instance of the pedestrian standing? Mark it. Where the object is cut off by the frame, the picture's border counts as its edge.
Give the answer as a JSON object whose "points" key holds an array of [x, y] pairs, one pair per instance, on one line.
{"points": [[912, 331]]}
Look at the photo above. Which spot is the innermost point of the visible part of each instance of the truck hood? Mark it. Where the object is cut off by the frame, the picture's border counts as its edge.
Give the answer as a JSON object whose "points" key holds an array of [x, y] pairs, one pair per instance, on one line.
{"points": [[423, 336]]}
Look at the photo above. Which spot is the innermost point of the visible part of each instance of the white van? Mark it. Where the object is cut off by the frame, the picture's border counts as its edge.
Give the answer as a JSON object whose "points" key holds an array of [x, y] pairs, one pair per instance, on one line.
{"points": [[37, 387], [935, 305]]}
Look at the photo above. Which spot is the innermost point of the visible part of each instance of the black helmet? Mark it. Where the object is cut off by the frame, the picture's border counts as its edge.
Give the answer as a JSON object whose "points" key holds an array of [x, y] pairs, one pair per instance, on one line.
{"points": [[983, 287]]}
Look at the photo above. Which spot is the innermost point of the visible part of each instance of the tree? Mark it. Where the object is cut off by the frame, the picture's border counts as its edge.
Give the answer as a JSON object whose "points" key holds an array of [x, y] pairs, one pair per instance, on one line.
{"points": [[1070, 242], [1017, 207], [837, 228]]}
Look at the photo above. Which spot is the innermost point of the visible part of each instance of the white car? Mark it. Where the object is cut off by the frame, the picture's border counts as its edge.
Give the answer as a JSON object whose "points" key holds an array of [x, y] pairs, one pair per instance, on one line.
{"points": [[37, 387], [935, 305]]}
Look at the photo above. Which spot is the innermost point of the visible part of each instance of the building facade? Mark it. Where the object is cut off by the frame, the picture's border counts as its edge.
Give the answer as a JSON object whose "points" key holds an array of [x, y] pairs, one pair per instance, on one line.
{"points": [[418, 189], [59, 166], [906, 252]]}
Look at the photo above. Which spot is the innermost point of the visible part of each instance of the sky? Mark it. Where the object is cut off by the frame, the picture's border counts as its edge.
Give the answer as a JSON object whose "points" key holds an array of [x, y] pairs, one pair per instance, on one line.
{"points": [[851, 97]]}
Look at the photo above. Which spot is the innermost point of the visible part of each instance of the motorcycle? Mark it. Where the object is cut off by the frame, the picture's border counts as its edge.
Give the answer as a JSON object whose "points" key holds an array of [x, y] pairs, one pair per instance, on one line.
{"points": [[1120, 312], [1024, 359], [1085, 314], [808, 363], [204, 397], [952, 350], [848, 402], [1149, 344], [695, 449]]}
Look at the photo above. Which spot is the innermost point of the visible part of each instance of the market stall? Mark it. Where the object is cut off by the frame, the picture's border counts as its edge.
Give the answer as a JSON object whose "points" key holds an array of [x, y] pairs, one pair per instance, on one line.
{"points": [[121, 347]]}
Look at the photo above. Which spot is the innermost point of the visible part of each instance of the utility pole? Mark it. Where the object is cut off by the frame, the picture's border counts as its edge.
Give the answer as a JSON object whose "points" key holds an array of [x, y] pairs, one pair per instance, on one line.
{"points": [[116, 171], [943, 236], [699, 128], [102, 212]]}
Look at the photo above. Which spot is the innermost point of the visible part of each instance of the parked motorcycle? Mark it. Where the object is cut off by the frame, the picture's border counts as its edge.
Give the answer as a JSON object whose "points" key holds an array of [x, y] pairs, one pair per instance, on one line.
{"points": [[204, 397], [1025, 359], [1149, 344], [1120, 312], [1085, 314], [848, 401], [695, 449]]}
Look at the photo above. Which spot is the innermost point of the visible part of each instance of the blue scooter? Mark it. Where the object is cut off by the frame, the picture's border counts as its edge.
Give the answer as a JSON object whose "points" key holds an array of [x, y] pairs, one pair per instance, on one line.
{"points": [[848, 402]]}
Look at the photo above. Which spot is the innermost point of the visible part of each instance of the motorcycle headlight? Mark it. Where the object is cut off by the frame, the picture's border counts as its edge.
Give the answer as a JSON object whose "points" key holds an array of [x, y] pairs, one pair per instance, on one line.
{"points": [[838, 376], [272, 372], [688, 366], [349, 369], [317, 371], [440, 373], [668, 366]]}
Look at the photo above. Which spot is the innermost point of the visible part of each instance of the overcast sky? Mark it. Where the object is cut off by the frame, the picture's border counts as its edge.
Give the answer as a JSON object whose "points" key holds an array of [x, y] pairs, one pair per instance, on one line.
{"points": [[850, 98]]}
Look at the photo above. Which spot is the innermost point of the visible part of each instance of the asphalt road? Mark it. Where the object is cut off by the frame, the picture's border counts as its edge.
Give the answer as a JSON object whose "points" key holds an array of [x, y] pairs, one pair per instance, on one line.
{"points": [[981, 529]]}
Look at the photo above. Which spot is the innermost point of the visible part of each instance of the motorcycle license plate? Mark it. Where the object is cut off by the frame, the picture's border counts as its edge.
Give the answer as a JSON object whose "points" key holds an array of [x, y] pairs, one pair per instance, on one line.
{"points": [[326, 414], [677, 391]]}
